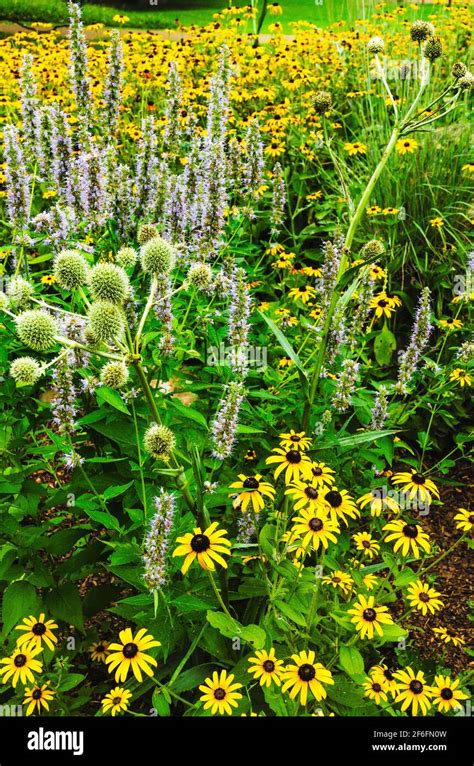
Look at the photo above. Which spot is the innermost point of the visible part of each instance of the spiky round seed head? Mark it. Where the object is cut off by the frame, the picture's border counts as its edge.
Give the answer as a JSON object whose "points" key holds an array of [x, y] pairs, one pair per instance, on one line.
{"points": [[4, 301], [105, 320], [375, 45], [466, 82], [36, 329], [20, 291], [146, 232], [25, 370], [200, 276], [114, 374], [459, 69], [70, 269], [420, 30], [372, 249], [322, 101], [90, 337], [126, 257], [433, 48], [157, 256], [108, 282], [159, 441]]}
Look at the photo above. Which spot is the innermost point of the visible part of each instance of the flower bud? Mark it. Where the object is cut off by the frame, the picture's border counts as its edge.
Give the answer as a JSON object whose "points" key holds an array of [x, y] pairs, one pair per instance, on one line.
{"points": [[25, 370], [466, 82], [200, 276], [105, 320], [157, 256], [375, 45], [146, 232], [126, 257], [36, 329], [322, 102], [433, 48], [108, 282], [159, 441], [459, 70], [70, 269], [114, 374], [19, 291], [420, 30], [372, 249]]}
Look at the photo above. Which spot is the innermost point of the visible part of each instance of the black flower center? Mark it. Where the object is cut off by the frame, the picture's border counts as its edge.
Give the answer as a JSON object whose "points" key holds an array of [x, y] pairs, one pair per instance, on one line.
{"points": [[99, 649], [316, 524], [130, 650], [471, 518], [336, 579], [251, 483], [311, 493], [418, 478], [376, 687], [293, 456], [317, 471], [269, 666], [116, 700], [333, 498], [369, 614], [424, 597], [416, 687], [382, 303], [366, 543], [410, 530], [200, 543], [39, 629], [37, 694], [295, 438], [219, 693], [446, 693], [388, 675], [19, 660], [306, 672]]}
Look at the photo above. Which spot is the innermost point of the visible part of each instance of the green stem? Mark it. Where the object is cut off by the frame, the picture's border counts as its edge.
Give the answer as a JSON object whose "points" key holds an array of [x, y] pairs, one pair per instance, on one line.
{"points": [[218, 596]]}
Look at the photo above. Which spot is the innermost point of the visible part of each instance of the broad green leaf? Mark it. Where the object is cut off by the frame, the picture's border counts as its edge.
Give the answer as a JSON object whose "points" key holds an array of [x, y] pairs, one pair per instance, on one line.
{"points": [[189, 603], [19, 600], [112, 397], [384, 345], [190, 679], [188, 412], [64, 603], [160, 703], [291, 613], [285, 344], [351, 660], [117, 490]]}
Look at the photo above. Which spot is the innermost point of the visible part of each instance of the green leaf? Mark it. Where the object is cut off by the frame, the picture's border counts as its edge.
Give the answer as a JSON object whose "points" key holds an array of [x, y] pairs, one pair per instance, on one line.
{"points": [[384, 345], [70, 682], [288, 611], [229, 627], [286, 346], [275, 701], [64, 603], [405, 578], [354, 440], [267, 540], [19, 600], [112, 397], [188, 412], [351, 660], [115, 491], [188, 603], [191, 678], [254, 635], [160, 703], [345, 692], [104, 518], [393, 632]]}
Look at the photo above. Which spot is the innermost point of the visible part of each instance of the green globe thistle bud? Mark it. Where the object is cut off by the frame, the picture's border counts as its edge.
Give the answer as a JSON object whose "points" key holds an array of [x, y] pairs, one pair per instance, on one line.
{"points": [[466, 82], [459, 70], [19, 291], [105, 320], [90, 337], [200, 276], [108, 282], [70, 269], [146, 232], [322, 102], [159, 441], [114, 374], [4, 301], [375, 45], [36, 329], [157, 256], [420, 30], [126, 257], [433, 48], [372, 249], [25, 370]]}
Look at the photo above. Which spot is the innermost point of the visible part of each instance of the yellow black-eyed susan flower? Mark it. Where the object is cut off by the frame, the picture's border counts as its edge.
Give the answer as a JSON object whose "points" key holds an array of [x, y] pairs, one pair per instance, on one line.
{"points": [[305, 494], [390, 211], [373, 210], [306, 675], [252, 490], [369, 618], [424, 598], [130, 654], [304, 293], [406, 145], [21, 665], [407, 538], [295, 440], [416, 484], [413, 691], [378, 501], [315, 529], [206, 547], [355, 148], [381, 306], [116, 701], [437, 222], [37, 697], [250, 455], [448, 636], [385, 677], [48, 279], [450, 323], [366, 543], [369, 581], [461, 376], [99, 651], [322, 474], [464, 519], [36, 631], [340, 505], [376, 272], [294, 462], [375, 690], [266, 667], [341, 580], [220, 695], [446, 695]]}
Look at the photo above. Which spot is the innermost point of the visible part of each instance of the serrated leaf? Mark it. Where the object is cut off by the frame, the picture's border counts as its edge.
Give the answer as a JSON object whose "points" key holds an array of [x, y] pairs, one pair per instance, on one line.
{"points": [[19, 600]]}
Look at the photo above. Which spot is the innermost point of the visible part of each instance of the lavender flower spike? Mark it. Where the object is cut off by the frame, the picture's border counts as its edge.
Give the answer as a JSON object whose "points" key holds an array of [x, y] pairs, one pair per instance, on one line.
{"points": [[224, 427], [156, 542], [419, 340]]}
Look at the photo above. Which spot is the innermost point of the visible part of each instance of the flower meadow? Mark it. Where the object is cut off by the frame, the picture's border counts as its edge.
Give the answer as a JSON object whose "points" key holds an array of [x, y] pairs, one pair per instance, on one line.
{"points": [[236, 366]]}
